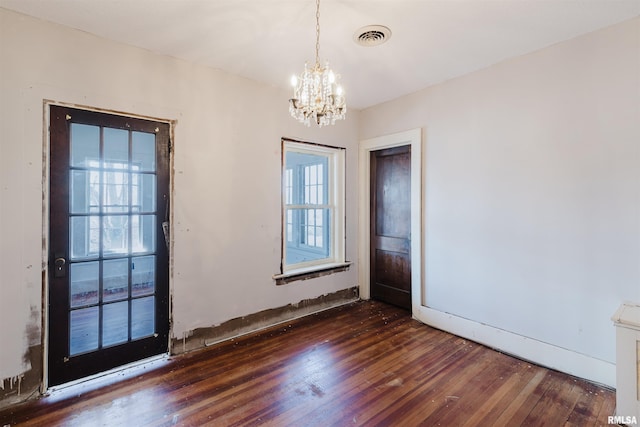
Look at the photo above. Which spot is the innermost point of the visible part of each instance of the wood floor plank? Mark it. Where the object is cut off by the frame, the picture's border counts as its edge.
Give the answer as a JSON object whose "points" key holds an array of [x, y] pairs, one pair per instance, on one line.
{"points": [[523, 400], [588, 406], [364, 364], [556, 403]]}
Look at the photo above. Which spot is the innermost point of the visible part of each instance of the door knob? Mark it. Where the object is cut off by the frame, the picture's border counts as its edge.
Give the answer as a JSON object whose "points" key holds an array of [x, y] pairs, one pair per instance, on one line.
{"points": [[60, 267]]}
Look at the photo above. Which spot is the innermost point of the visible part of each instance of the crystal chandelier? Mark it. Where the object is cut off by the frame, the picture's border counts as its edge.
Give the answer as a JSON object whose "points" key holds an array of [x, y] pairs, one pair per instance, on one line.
{"points": [[316, 94]]}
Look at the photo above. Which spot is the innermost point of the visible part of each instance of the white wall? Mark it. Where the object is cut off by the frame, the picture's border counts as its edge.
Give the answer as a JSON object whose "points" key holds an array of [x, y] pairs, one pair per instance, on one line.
{"points": [[532, 191], [226, 196]]}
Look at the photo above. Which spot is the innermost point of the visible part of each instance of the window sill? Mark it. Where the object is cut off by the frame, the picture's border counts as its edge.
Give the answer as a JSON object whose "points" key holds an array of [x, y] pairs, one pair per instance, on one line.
{"points": [[311, 272]]}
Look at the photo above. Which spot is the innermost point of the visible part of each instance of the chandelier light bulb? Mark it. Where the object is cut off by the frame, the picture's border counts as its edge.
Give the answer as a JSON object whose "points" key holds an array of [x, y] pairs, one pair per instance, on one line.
{"points": [[294, 80]]}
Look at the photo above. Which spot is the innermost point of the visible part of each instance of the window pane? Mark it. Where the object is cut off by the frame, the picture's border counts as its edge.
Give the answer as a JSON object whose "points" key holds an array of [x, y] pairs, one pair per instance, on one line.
{"points": [[288, 185], [85, 145], [85, 236], [309, 227], [142, 317], [84, 284], [322, 189], [313, 172], [143, 236], [83, 330], [115, 234], [143, 275], [289, 231], [116, 148], [319, 217], [115, 279], [143, 151], [115, 192], [85, 191], [318, 229], [115, 323], [143, 192]]}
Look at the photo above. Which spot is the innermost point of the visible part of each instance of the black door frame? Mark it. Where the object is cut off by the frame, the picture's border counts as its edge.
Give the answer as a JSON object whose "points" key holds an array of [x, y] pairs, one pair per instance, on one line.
{"points": [[158, 343]]}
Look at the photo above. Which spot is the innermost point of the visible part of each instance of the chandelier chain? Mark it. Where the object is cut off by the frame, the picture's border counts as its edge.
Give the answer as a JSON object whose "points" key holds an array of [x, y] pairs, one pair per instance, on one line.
{"points": [[317, 32]]}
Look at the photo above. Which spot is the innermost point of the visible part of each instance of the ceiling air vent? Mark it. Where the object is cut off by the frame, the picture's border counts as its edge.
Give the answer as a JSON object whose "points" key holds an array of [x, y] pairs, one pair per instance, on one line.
{"points": [[372, 35]]}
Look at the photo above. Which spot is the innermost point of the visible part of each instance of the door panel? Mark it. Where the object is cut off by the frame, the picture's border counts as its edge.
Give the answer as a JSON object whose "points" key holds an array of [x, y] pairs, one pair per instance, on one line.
{"points": [[391, 225], [109, 273]]}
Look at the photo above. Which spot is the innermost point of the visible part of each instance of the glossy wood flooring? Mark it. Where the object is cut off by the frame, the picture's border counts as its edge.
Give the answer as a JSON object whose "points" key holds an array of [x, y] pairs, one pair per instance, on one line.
{"points": [[364, 364]]}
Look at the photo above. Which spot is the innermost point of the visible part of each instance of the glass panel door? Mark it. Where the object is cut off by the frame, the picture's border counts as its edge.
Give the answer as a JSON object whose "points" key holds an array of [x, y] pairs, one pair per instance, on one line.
{"points": [[109, 261]]}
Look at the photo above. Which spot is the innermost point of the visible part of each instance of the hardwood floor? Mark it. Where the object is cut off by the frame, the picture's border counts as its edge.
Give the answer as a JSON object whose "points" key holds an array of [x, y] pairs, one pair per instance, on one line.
{"points": [[364, 364]]}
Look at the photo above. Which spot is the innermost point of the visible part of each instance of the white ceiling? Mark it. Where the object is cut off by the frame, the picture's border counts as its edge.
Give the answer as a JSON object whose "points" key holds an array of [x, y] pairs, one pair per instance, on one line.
{"points": [[269, 40]]}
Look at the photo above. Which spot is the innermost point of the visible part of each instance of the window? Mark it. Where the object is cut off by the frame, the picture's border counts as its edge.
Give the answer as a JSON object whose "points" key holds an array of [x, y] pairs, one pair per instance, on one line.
{"points": [[312, 207]]}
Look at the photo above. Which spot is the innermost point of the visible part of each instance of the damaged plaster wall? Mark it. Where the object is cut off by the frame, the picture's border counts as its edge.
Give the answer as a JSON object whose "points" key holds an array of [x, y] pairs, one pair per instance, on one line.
{"points": [[20, 234], [226, 177]]}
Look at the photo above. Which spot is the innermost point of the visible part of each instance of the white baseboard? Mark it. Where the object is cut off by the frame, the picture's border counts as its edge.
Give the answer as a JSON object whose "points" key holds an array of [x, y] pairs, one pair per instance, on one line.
{"points": [[538, 352]]}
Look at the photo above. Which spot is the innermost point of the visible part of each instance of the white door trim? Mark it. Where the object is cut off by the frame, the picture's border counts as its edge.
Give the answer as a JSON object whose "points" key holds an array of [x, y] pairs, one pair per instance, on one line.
{"points": [[413, 138]]}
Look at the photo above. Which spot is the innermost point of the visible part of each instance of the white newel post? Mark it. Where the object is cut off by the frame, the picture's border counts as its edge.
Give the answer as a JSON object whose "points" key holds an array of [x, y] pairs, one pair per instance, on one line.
{"points": [[627, 322]]}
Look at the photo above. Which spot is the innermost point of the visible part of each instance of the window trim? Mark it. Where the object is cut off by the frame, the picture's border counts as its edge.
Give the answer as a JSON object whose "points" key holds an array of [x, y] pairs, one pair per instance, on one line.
{"points": [[336, 200]]}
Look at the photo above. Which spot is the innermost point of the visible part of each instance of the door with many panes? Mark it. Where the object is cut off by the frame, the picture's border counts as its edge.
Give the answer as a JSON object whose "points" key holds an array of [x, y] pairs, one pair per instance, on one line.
{"points": [[108, 258]]}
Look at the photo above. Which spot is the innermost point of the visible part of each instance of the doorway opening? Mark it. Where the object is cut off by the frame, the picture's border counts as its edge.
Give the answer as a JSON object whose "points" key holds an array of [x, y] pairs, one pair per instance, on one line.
{"points": [[413, 248]]}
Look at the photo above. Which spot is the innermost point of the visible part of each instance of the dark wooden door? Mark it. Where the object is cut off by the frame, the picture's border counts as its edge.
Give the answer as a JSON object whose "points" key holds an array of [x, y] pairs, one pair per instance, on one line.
{"points": [[108, 261], [391, 226]]}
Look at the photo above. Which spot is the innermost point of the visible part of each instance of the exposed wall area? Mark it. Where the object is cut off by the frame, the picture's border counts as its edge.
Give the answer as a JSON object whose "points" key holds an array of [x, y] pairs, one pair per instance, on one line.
{"points": [[226, 179], [531, 185]]}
